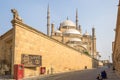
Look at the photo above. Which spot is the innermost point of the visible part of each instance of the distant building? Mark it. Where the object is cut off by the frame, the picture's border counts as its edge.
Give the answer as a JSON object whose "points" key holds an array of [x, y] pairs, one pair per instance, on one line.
{"points": [[105, 62]]}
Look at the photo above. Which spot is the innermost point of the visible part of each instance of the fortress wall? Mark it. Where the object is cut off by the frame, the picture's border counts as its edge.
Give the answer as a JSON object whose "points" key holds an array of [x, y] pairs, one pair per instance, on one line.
{"points": [[55, 55]]}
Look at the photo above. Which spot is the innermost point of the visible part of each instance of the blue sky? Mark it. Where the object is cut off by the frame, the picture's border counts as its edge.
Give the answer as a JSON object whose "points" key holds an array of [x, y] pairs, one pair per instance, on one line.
{"points": [[98, 13]]}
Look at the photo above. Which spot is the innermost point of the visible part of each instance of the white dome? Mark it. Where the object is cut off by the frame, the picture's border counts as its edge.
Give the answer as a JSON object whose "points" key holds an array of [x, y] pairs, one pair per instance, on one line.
{"points": [[58, 31], [68, 23], [86, 33], [71, 31], [75, 39]]}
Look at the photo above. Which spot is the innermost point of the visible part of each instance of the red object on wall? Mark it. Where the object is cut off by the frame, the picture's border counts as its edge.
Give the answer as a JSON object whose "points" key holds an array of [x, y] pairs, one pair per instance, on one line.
{"points": [[42, 70], [18, 71]]}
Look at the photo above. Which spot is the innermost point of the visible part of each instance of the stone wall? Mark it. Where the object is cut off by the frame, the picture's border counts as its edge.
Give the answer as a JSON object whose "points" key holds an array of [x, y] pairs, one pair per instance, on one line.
{"points": [[5, 52], [116, 46], [55, 55]]}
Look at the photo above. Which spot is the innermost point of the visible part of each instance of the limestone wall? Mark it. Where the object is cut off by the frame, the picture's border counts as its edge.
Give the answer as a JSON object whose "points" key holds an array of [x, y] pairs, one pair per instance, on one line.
{"points": [[5, 52], [5, 40], [1, 50], [54, 54]]}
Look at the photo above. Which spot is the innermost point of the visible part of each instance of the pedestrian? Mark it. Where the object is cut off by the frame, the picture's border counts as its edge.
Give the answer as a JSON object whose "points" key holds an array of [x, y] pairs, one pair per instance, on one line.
{"points": [[104, 74], [99, 77]]}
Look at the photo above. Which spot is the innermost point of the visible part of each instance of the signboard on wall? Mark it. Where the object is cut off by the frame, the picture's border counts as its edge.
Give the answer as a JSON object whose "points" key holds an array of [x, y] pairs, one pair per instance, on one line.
{"points": [[31, 60]]}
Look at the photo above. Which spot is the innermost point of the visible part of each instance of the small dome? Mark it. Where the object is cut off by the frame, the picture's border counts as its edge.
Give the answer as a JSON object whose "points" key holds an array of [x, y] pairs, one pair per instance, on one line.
{"points": [[68, 23], [86, 33], [58, 31], [75, 39], [71, 31]]}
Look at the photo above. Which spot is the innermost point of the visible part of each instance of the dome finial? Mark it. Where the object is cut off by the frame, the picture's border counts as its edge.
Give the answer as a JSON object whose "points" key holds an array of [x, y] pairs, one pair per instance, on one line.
{"points": [[86, 33]]}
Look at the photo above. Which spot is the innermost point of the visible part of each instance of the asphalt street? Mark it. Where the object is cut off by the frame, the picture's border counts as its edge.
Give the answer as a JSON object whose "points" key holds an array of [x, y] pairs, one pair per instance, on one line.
{"points": [[89, 74]]}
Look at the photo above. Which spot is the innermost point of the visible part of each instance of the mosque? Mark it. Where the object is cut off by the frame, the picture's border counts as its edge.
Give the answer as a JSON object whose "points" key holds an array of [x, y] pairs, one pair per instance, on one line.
{"points": [[70, 33], [35, 53]]}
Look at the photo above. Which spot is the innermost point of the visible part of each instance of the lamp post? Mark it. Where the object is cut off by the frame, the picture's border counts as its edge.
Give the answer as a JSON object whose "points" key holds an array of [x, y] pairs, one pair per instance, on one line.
{"points": [[109, 62], [109, 59], [97, 57]]}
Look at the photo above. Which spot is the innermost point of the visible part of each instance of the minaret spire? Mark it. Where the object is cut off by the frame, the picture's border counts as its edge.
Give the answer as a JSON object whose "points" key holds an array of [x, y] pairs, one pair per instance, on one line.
{"points": [[93, 32], [76, 18], [48, 21], [93, 43]]}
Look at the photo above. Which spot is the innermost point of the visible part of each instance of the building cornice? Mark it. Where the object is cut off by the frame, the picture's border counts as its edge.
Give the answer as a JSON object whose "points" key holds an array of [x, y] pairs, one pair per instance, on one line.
{"points": [[6, 34]]}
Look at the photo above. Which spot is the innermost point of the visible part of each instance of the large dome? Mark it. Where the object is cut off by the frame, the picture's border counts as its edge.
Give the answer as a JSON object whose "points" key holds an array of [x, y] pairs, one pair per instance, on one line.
{"points": [[68, 23], [71, 31]]}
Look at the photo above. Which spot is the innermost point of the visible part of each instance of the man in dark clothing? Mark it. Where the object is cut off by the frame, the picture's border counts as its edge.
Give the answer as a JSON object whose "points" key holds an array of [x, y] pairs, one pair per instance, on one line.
{"points": [[104, 74]]}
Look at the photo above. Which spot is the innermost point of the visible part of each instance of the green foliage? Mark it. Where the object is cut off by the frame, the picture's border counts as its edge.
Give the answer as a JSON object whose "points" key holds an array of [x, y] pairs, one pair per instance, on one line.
{"points": [[85, 52]]}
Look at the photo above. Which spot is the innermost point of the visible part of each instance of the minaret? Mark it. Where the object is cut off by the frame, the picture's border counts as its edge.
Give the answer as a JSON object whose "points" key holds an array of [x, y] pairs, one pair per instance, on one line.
{"points": [[93, 43], [48, 21], [76, 19], [80, 29], [60, 26], [52, 29], [93, 32]]}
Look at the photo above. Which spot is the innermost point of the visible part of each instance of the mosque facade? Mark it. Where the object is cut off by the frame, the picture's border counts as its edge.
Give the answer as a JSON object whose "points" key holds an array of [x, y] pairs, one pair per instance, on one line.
{"points": [[70, 33]]}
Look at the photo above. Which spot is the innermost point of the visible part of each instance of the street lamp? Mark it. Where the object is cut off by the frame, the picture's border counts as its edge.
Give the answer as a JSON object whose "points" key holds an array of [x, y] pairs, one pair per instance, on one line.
{"points": [[109, 59]]}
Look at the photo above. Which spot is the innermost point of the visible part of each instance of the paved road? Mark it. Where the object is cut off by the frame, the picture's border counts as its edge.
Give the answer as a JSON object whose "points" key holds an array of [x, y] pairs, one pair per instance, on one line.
{"points": [[89, 74]]}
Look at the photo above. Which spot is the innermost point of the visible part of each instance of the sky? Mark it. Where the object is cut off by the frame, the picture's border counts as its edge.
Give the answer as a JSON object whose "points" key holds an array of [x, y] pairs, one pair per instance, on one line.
{"points": [[100, 14]]}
